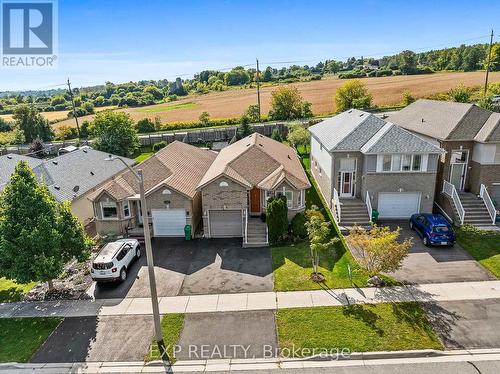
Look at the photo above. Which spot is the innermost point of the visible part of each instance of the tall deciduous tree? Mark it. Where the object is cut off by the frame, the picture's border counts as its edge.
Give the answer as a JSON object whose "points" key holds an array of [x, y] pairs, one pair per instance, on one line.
{"points": [[352, 94], [32, 124], [37, 234], [115, 133], [379, 249], [286, 104]]}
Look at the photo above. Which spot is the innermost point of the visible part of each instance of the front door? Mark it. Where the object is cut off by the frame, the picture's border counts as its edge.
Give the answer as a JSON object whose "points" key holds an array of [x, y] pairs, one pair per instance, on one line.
{"points": [[458, 168], [255, 201], [346, 183]]}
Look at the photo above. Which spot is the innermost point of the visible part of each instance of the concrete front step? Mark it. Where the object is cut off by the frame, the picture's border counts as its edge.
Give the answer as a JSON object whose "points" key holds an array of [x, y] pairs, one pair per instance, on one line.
{"points": [[255, 244]]}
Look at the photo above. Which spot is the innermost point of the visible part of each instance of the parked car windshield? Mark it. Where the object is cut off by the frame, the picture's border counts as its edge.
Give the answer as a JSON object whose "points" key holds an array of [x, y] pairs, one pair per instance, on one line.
{"points": [[441, 229]]}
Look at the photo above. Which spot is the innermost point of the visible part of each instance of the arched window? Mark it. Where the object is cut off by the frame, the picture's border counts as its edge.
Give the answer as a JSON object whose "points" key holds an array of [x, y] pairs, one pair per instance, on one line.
{"points": [[166, 191], [223, 184]]}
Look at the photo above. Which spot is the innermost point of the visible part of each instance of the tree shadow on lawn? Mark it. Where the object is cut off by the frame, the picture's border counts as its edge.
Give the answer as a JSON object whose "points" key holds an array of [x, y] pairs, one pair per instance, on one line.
{"points": [[11, 295], [365, 315]]}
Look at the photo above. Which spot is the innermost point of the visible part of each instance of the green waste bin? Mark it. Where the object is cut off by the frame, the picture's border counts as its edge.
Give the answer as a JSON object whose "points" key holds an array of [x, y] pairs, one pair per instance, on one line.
{"points": [[187, 232], [375, 214]]}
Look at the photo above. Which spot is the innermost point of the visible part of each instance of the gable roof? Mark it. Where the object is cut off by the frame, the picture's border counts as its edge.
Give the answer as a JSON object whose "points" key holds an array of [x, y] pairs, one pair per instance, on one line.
{"points": [[443, 120], [67, 176], [490, 132], [347, 131], [179, 166], [257, 160], [355, 130]]}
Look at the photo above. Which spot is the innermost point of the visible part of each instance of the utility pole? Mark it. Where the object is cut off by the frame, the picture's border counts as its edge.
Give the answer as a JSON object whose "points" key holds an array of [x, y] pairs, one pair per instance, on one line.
{"points": [[74, 109], [257, 79], [488, 65]]}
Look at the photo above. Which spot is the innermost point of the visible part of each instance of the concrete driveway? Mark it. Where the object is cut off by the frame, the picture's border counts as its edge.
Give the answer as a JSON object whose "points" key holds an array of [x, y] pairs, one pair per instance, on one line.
{"points": [[466, 324], [195, 267], [436, 264], [105, 338]]}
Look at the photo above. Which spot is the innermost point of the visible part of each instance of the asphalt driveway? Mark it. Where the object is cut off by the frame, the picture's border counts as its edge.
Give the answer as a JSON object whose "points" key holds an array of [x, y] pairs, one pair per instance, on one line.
{"points": [[436, 264], [105, 338], [466, 324], [228, 335], [195, 267]]}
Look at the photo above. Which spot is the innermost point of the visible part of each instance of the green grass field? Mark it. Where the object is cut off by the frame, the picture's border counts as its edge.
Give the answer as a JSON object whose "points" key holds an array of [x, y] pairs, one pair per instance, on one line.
{"points": [[143, 156], [484, 246], [10, 291], [21, 337], [171, 325], [358, 328], [168, 108]]}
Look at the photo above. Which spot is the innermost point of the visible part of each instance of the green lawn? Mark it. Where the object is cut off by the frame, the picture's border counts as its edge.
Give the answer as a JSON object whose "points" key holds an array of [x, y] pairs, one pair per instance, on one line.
{"points": [[167, 108], [359, 328], [21, 337], [292, 264], [484, 246], [143, 156], [171, 326], [10, 291]]}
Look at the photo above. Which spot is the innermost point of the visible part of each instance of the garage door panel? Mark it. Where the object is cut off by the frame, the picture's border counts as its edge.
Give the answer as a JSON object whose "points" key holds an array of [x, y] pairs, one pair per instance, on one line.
{"points": [[398, 205], [225, 223], [168, 222]]}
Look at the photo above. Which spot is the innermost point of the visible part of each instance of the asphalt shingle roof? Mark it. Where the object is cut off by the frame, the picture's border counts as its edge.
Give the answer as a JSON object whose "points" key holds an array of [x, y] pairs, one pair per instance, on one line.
{"points": [[179, 166], [444, 120], [355, 130], [70, 175], [256, 159], [347, 131], [491, 130]]}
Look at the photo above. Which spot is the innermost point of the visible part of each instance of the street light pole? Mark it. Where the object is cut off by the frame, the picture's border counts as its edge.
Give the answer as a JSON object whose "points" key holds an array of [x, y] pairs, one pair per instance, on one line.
{"points": [[149, 257]]}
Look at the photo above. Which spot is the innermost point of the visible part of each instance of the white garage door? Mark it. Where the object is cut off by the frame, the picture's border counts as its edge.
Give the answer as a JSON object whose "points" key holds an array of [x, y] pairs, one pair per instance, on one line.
{"points": [[225, 223], [168, 222], [398, 205]]}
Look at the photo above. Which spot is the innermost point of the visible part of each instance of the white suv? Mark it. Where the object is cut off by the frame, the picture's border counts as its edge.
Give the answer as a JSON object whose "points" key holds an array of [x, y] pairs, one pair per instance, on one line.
{"points": [[113, 260]]}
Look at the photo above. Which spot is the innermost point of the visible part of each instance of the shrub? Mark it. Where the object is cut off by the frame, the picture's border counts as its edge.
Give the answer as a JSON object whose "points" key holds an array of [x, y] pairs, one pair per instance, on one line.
{"points": [[145, 125], [159, 145], [299, 226], [276, 135], [408, 98], [277, 219], [383, 73], [5, 126], [460, 94], [66, 132], [172, 97], [204, 118], [352, 74]]}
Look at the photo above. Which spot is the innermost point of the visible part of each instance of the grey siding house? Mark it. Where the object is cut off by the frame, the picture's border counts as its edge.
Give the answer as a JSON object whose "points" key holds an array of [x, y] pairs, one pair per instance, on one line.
{"points": [[362, 162], [468, 181]]}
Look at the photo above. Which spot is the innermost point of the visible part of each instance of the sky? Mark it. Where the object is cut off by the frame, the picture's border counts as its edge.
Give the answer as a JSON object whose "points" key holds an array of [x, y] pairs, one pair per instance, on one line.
{"points": [[121, 41]]}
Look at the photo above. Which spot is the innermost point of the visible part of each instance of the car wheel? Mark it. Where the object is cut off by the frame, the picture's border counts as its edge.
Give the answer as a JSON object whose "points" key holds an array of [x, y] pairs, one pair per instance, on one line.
{"points": [[411, 225], [425, 241], [138, 253], [123, 275]]}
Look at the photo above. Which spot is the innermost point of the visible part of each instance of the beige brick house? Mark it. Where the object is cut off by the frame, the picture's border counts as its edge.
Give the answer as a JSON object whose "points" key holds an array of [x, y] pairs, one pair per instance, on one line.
{"points": [[239, 182], [170, 180]]}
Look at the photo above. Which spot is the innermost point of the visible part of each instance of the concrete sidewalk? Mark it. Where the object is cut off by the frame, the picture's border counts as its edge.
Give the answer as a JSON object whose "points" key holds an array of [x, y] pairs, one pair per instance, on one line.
{"points": [[369, 362], [256, 301]]}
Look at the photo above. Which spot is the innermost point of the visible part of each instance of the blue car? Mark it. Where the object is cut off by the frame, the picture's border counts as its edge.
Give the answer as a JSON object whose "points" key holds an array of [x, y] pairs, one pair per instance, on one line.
{"points": [[433, 228]]}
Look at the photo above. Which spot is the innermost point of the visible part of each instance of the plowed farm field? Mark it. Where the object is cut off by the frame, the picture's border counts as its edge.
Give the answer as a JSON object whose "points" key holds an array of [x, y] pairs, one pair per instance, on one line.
{"points": [[232, 103]]}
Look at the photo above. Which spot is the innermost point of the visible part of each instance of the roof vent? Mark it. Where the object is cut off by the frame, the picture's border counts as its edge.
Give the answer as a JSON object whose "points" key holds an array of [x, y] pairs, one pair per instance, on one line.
{"points": [[54, 162], [423, 119], [384, 116], [57, 187], [76, 189], [91, 173], [84, 150], [261, 145], [361, 115], [349, 111], [9, 157], [289, 157]]}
